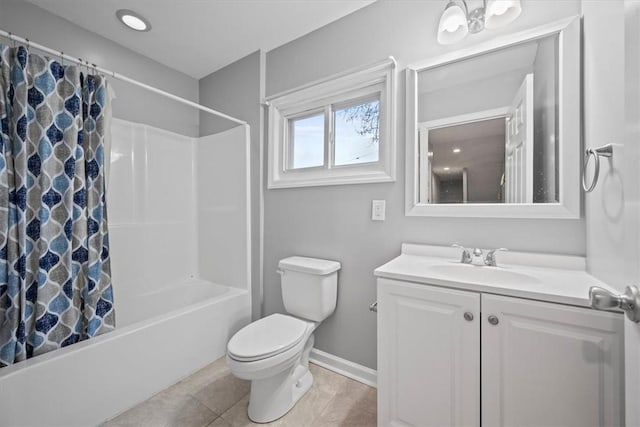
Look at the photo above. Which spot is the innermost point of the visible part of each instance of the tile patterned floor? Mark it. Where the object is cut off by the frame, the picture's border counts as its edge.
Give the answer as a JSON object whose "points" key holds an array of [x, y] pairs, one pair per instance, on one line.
{"points": [[212, 397]]}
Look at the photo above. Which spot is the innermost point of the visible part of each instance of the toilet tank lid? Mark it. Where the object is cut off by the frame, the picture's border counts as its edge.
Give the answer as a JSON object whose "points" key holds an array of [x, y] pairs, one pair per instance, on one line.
{"points": [[309, 265]]}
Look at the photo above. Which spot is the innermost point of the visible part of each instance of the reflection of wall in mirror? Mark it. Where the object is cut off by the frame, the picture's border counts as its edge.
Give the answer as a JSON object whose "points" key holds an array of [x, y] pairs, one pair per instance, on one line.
{"points": [[449, 187], [485, 173], [545, 136], [479, 95], [450, 190]]}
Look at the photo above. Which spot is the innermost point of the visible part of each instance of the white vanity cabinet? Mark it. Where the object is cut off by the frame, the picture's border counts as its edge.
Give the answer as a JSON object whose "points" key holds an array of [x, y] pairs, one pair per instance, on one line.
{"points": [[449, 357], [428, 355], [550, 364]]}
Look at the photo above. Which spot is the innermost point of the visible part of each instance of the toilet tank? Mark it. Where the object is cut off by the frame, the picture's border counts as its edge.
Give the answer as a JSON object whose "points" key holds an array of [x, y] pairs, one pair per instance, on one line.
{"points": [[309, 286]]}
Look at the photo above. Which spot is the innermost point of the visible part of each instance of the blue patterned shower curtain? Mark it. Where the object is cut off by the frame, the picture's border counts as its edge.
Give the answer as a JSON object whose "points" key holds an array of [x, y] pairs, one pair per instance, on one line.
{"points": [[55, 276]]}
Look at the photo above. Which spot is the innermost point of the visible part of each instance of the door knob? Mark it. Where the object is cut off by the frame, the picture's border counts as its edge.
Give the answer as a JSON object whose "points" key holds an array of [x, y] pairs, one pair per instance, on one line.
{"points": [[493, 320], [629, 302]]}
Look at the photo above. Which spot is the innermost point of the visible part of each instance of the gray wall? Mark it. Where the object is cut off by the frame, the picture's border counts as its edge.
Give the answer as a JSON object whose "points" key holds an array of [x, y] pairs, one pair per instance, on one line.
{"points": [[335, 221], [235, 90], [131, 103], [609, 235]]}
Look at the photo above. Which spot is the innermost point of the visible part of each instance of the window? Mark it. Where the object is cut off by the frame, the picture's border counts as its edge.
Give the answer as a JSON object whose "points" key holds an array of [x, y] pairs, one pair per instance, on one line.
{"points": [[306, 136], [338, 131], [354, 136], [356, 133]]}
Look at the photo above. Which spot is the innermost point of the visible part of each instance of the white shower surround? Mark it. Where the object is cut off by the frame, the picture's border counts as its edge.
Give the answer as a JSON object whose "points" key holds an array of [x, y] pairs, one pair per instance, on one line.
{"points": [[179, 229]]}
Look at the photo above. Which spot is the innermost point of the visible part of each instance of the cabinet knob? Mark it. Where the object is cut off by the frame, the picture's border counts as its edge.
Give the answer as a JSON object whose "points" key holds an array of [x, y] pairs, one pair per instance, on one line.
{"points": [[493, 320], [468, 316]]}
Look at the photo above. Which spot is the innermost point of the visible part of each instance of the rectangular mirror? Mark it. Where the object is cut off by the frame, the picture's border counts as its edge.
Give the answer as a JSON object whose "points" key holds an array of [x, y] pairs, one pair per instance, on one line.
{"points": [[494, 130]]}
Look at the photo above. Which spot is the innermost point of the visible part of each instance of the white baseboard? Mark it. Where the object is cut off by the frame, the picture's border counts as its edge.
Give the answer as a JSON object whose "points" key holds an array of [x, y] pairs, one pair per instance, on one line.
{"points": [[344, 367]]}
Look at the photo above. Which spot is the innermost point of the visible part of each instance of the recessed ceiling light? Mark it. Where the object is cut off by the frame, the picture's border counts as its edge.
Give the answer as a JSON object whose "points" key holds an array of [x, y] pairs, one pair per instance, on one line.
{"points": [[446, 168], [456, 150], [133, 20]]}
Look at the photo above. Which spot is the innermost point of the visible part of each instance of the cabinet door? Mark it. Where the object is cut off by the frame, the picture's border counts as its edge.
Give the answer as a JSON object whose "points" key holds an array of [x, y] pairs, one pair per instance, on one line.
{"points": [[428, 355], [547, 364]]}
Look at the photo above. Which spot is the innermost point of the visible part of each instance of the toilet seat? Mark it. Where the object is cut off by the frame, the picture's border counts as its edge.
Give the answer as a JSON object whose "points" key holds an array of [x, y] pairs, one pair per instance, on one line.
{"points": [[267, 337]]}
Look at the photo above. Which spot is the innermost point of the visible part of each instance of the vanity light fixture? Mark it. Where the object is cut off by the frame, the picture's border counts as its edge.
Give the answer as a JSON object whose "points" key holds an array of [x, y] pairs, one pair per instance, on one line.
{"points": [[457, 20], [133, 20]]}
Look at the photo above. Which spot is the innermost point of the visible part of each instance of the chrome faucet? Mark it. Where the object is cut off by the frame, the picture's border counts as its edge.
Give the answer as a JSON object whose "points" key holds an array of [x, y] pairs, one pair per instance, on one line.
{"points": [[475, 256], [466, 255], [470, 256], [490, 259]]}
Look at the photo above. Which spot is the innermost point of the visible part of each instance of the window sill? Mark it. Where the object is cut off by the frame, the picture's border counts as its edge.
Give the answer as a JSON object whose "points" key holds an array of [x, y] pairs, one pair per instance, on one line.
{"points": [[327, 178]]}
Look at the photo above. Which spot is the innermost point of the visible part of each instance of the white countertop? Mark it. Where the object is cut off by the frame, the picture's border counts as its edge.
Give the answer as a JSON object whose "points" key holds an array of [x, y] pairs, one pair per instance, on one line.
{"points": [[552, 278]]}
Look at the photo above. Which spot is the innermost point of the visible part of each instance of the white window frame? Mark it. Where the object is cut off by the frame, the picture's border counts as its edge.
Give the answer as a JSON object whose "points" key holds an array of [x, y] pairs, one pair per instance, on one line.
{"points": [[326, 95]]}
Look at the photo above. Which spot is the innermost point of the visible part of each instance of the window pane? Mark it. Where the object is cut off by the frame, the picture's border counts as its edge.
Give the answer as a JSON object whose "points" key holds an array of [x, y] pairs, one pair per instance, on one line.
{"points": [[357, 133], [307, 142]]}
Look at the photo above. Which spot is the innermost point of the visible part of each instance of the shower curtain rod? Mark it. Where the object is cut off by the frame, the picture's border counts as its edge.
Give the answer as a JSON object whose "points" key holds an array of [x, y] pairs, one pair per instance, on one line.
{"points": [[118, 76]]}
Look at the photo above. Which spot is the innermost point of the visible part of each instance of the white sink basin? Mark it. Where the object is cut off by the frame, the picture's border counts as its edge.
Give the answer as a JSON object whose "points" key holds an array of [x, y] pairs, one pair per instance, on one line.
{"points": [[544, 277], [482, 274]]}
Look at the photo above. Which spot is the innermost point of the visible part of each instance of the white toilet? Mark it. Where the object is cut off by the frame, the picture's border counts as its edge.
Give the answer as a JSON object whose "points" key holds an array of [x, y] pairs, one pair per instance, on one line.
{"points": [[273, 352]]}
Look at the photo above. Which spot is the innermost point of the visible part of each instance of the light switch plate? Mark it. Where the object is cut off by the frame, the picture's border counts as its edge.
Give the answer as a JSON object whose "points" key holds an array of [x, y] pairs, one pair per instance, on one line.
{"points": [[378, 210]]}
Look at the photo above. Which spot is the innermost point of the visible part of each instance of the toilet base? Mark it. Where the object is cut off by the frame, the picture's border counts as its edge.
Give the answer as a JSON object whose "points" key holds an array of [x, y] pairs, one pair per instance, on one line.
{"points": [[271, 398]]}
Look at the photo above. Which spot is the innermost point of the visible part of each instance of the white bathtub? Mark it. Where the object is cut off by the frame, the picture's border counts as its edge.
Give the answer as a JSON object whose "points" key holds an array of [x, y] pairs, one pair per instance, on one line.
{"points": [[160, 338]]}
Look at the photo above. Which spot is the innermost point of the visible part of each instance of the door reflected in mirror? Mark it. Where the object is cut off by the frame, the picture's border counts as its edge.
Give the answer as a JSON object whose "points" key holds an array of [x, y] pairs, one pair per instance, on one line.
{"points": [[488, 127]]}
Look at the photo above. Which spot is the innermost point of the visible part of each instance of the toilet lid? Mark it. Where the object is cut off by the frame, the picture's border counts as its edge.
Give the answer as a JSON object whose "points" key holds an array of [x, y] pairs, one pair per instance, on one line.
{"points": [[266, 337]]}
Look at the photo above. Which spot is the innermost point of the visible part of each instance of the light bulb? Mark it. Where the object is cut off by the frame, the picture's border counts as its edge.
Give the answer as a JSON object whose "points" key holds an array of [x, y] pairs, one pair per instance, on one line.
{"points": [[133, 20], [501, 12], [453, 24], [500, 7]]}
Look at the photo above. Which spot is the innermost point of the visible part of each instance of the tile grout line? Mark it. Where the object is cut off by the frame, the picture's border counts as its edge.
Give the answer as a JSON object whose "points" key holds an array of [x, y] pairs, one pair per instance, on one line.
{"points": [[231, 407], [193, 396], [213, 421]]}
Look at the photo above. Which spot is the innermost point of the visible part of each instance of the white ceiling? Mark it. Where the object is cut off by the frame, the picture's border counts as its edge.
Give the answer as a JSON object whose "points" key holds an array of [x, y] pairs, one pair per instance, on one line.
{"points": [[467, 131], [198, 37]]}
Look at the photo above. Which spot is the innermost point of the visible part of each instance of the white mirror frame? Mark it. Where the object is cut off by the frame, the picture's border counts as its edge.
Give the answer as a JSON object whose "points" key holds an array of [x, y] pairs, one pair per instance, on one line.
{"points": [[569, 100]]}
